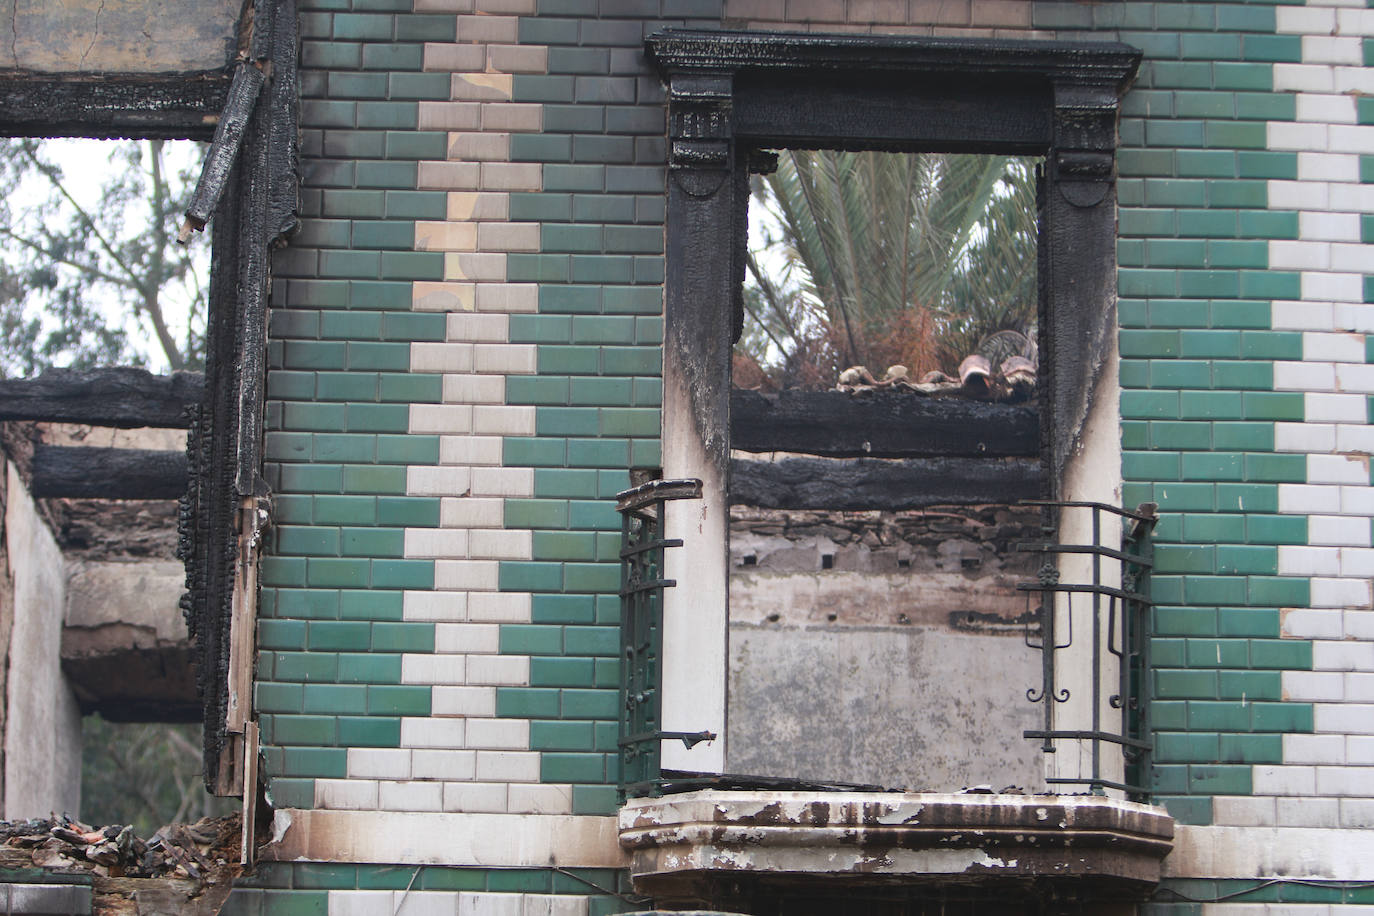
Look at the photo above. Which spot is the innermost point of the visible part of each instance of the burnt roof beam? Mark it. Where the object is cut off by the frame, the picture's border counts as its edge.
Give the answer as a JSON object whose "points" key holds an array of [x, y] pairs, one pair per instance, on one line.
{"points": [[155, 106], [120, 397]]}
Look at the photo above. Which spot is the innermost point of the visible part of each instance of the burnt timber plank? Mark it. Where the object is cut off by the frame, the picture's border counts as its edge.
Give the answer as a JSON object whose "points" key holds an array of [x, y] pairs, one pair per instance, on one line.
{"points": [[165, 106], [224, 149], [123, 397], [108, 473], [876, 483], [881, 424]]}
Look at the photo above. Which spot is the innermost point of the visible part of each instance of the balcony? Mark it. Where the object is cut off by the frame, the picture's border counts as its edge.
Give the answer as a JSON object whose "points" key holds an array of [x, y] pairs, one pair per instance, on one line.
{"points": [[695, 844], [1084, 830]]}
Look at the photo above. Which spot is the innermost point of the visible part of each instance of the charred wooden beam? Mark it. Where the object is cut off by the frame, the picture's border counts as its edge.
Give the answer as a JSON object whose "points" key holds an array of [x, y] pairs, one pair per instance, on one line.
{"points": [[154, 105], [122, 397], [224, 149], [876, 483], [108, 473], [881, 424]]}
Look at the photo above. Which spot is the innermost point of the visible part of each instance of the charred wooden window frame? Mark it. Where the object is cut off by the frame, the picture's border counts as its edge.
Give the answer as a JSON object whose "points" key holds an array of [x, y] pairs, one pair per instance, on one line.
{"points": [[734, 94], [225, 508]]}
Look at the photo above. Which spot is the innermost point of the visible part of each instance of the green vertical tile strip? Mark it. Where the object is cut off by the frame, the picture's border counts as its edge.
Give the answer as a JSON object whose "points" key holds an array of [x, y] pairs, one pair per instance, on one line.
{"points": [[1196, 374], [597, 390], [339, 396]]}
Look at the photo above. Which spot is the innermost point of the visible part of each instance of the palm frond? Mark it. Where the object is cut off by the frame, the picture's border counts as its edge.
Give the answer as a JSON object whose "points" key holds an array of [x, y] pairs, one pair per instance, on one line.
{"points": [[894, 256]]}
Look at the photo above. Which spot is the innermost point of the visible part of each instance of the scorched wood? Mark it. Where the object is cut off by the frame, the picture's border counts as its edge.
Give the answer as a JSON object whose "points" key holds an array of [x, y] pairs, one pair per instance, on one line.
{"points": [[121, 397], [108, 473], [876, 483], [880, 424]]}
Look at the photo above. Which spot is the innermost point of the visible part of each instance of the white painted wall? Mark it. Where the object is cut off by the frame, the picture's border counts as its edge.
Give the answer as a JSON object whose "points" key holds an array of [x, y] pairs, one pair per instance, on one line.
{"points": [[695, 612], [1093, 475]]}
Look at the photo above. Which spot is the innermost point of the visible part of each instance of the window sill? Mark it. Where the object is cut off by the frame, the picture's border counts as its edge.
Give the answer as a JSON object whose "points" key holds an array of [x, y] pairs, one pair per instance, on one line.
{"points": [[678, 843]]}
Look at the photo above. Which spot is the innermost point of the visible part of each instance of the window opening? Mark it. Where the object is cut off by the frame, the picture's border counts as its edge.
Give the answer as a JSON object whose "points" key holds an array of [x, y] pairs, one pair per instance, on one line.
{"points": [[90, 271], [868, 643], [732, 96], [90, 275]]}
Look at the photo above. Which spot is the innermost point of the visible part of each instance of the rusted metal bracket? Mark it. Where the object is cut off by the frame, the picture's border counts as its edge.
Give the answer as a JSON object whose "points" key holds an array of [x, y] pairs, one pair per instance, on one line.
{"points": [[688, 739]]}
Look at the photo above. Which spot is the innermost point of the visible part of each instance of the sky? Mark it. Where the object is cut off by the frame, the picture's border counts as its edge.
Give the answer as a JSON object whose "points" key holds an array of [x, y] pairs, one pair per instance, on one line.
{"points": [[87, 167]]}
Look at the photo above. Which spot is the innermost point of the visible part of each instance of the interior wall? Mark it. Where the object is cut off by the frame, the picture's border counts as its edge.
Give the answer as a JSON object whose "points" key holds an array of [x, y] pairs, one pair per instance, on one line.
{"points": [[902, 665], [42, 724]]}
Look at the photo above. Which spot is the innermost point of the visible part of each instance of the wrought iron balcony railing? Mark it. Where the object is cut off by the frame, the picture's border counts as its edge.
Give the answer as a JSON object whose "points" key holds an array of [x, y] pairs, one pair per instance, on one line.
{"points": [[1118, 647], [642, 511], [1105, 589]]}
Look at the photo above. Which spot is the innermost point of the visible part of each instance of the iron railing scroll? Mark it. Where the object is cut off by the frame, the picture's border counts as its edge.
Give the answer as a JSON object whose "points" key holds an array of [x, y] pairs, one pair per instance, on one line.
{"points": [[642, 512], [1119, 652]]}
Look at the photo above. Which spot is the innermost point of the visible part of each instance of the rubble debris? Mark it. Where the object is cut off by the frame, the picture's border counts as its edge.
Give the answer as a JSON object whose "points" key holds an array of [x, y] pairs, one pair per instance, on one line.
{"points": [[183, 870], [202, 851]]}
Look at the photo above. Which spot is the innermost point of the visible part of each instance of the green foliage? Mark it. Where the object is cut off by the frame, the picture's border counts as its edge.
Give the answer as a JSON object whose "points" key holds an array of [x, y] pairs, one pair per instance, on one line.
{"points": [[89, 265], [145, 774], [878, 258]]}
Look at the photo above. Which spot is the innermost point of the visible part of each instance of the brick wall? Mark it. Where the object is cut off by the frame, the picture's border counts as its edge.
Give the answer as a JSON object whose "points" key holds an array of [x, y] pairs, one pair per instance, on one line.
{"points": [[464, 367]]}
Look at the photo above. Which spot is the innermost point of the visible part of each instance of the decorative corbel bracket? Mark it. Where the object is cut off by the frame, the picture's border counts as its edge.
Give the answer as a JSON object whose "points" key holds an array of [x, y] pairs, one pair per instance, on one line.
{"points": [[700, 131], [1084, 134]]}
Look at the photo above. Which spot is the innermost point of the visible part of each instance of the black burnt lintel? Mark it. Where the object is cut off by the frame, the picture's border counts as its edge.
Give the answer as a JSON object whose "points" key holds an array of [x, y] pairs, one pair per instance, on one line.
{"points": [[122, 397], [881, 424], [947, 58], [896, 485], [107, 473], [154, 105]]}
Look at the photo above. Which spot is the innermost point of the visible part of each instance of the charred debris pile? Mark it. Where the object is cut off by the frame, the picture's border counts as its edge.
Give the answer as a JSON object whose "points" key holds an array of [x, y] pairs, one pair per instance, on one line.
{"points": [[196, 851]]}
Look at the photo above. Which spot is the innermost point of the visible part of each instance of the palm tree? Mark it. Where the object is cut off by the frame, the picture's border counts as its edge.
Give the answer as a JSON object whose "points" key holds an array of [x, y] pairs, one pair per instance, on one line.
{"points": [[877, 258]]}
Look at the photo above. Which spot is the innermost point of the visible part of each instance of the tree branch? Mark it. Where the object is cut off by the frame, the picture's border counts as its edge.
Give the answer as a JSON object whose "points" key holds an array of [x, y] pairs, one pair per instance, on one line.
{"points": [[152, 281], [86, 269], [49, 172]]}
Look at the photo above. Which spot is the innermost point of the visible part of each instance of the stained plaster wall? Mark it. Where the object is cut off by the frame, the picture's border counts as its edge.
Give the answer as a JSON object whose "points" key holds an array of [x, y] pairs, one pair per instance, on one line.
{"points": [[118, 36], [120, 594], [903, 665]]}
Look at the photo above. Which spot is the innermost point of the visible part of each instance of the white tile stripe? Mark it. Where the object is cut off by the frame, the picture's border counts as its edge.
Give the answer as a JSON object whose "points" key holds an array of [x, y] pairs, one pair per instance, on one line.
{"points": [[1324, 781], [453, 903], [462, 758], [1332, 261]]}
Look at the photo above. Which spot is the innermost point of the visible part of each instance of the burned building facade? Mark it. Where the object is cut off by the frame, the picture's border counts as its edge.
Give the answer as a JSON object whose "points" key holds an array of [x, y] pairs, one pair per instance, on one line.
{"points": [[500, 303]]}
